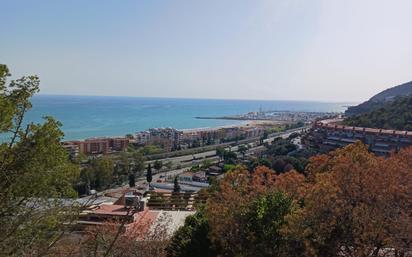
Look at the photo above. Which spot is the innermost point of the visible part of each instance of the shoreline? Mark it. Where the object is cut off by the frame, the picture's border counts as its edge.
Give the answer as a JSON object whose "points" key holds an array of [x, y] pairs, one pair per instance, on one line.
{"points": [[243, 124]]}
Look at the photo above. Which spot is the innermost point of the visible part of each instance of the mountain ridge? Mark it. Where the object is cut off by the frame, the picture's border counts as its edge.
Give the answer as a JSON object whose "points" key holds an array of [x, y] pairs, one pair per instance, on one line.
{"points": [[380, 99]]}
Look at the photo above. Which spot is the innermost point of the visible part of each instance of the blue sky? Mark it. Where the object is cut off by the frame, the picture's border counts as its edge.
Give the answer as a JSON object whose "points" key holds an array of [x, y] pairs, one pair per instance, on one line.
{"points": [[303, 50]]}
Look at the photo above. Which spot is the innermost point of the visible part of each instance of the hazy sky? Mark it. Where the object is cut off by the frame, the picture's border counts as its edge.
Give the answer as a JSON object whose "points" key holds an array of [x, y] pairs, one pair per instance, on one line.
{"points": [[327, 50]]}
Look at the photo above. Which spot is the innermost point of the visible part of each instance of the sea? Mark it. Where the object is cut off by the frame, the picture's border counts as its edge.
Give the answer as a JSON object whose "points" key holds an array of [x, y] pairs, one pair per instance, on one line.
{"points": [[95, 116]]}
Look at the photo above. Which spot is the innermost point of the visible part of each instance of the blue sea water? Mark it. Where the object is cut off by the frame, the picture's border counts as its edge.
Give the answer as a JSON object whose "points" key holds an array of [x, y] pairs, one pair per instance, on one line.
{"points": [[93, 116]]}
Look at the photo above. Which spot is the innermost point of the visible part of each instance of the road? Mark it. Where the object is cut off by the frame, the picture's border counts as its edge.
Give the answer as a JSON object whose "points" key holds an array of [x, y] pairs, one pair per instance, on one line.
{"points": [[187, 161], [192, 159]]}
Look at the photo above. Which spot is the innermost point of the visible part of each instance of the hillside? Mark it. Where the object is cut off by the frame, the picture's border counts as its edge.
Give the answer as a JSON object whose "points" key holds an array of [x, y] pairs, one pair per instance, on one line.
{"points": [[395, 114], [379, 100]]}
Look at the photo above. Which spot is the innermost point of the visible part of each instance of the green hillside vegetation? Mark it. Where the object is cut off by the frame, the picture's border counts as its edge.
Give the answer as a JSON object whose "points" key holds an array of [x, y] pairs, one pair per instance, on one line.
{"points": [[393, 115], [380, 99]]}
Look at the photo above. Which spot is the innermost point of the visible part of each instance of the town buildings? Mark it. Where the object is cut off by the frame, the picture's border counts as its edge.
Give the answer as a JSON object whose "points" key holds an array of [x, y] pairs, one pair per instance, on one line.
{"points": [[167, 138], [141, 213], [329, 134], [171, 139], [92, 146]]}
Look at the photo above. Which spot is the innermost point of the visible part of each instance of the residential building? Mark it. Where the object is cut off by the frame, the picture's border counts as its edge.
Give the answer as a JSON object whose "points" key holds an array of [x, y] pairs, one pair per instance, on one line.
{"points": [[328, 135], [94, 146]]}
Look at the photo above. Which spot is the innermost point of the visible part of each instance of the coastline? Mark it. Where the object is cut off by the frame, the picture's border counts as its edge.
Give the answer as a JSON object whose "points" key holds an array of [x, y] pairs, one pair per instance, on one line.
{"points": [[89, 117], [245, 124]]}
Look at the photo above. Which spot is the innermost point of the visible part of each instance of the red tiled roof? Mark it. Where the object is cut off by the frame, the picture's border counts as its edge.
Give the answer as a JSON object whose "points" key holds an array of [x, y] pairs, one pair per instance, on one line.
{"points": [[141, 224], [363, 129], [113, 209]]}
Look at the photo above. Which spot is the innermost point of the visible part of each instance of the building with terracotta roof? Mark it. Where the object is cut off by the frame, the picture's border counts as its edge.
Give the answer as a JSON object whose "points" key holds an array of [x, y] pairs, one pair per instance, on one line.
{"points": [[101, 145], [329, 135]]}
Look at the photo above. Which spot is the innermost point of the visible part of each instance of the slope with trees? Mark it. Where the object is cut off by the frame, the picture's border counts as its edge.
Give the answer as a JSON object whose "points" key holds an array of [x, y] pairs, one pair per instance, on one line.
{"points": [[349, 203], [380, 99], [393, 115]]}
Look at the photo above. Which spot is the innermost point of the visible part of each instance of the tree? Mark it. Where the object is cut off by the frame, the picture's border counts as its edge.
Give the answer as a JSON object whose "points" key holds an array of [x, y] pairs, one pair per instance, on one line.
{"points": [[35, 174], [192, 239], [256, 162], [125, 162], [158, 164], [242, 149], [138, 163], [357, 204], [86, 181], [150, 149], [206, 163], [230, 157], [263, 219], [246, 214], [348, 203], [149, 175], [280, 146], [220, 152], [132, 180], [103, 172], [395, 114], [169, 165], [176, 186]]}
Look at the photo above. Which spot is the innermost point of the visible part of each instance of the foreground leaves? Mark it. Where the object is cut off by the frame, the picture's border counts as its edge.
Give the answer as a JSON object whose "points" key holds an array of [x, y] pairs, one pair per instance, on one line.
{"points": [[36, 176]]}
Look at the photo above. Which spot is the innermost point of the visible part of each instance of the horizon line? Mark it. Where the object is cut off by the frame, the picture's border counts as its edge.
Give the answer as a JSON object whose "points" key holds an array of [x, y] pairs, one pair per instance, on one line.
{"points": [[199, 98]]}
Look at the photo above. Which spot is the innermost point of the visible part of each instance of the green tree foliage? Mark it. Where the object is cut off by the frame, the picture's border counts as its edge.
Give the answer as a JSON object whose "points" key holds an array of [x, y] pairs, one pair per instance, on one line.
{"points": [[97, 175], [228, 167], [86, 181], [263, 221], [169, 165], [253, 164], [149, 175], [138, 163], [246, 213], [206, 163], [150, 149], [380, 99], [192, 238], [36, 176], [158, 164], [350, 203], [125, 162], [280, 146], [229, 157], [283, 163], [242, 149], [132, 180], [103, 172], [282, 155], [220, 151], [176, 186], [393, 115]]}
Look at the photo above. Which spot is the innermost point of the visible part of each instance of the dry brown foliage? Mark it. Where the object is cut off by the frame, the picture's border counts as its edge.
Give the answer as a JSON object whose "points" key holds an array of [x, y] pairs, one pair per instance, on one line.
{"points": [[357, 204], [139, 239]]}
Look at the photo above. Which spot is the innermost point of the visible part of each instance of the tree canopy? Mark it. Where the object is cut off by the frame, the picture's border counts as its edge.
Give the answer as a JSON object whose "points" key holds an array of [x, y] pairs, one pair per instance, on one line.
{"points": [[393, 115], [36, 176], [347, 203]]}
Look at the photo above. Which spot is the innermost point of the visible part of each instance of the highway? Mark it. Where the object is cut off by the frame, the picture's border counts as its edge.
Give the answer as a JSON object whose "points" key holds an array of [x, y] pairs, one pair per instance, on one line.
{"points": [[191, 159], [186, 161]]}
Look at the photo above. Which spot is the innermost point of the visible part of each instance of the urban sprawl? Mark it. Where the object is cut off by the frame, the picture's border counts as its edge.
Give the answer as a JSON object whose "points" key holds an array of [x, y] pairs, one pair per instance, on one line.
{"points": [[179, 175]]}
